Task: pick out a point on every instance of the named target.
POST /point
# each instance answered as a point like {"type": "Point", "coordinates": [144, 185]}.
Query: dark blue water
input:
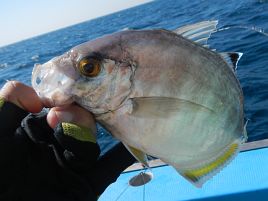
{"type": "Point", "coordinates": [17, 60]}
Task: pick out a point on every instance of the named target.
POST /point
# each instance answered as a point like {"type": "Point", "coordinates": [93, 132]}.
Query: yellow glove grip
{"type": "Point", "coordinates": [78, 132]}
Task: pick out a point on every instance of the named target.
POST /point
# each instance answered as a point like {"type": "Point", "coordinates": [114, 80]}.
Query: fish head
{"type": "Point", "coordinates": [99, 75]}
{"type": "Point", "coordinates": [96, 75]}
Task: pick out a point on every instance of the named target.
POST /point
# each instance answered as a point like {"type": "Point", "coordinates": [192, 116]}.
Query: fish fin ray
{"type": "Point", "coordinates": [245, 133]}
{"type": "Point", "coordinates": [198, 176]}
{"type": "Point", "coordinates": [164, 107]}
{"type": "Point", "coordinates": [199, 32]}
{"type": "Point", "coordinates": [232, 58]}
{"type": "Point", "coordinates": [139, 155]}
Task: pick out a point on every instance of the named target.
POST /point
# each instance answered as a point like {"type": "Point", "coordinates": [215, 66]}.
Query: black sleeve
{"type": "Point", "coordinates": [39, 163]}
{"type": "Point", "coordinates": [10, 118]}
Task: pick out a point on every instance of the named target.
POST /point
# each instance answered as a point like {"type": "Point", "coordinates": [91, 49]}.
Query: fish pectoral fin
{"type": "Point", "coordinates": [164, 107]}
{"type": "Point", "coordinates": [139, 155]}
{"type": "Point", "coordinates": [231, 58]}
{"type": "Point", "coordinates": [198, 32]}
{"type": "Point", "coordinates": [199, 175]}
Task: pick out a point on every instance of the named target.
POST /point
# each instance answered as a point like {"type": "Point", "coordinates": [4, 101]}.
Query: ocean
{"type": "Point", "coordinates": [17, 60]}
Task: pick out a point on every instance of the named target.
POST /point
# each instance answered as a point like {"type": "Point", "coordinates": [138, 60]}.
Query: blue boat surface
{"type": "Point", "coordinates": [245, 179]}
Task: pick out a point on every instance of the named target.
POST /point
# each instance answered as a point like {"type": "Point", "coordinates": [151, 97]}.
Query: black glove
{"type": "Point", "coordinates": [39, 163]}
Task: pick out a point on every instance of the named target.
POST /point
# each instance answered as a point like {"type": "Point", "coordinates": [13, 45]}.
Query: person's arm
{"type": "Point", "coordinates": [38, 162]}
{"type": "Point", "coordinates": [51, 156]}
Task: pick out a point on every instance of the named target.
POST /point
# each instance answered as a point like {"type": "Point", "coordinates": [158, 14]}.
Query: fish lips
{"type": "Point", "coordinates": [52, 84]}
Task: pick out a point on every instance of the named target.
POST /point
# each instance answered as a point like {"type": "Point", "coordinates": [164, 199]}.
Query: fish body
{"type": "Point", "coordinates": [156, 91]}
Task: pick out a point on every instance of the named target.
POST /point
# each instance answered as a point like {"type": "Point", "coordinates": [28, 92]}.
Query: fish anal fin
{"type": "Point", "coordinates": [231, 58]}
{"type": "Point", "coordinates": [139, 155]}
{"type": "Point", "coordinates": [198, 176]}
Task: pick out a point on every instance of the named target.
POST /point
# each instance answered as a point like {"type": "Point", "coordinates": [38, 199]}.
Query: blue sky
{"type": "Point", "coordinates": [22, 19]}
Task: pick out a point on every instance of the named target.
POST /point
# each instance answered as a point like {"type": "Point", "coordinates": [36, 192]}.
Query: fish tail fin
{"type": "Point", "coordinates": [199, 175]}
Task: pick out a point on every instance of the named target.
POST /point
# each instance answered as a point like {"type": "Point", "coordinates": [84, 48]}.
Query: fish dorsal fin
{"type": "Point", "coordinates": [231, 58]}
{"type": "Point", "coordinates": [139, 155]}
{"type": "Point", "coordinates": [198, 32]}
{"type": "Point", "coordinates": [164, 107]}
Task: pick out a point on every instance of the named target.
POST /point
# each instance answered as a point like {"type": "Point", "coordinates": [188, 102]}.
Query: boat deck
{"type": "Point", "coordinates": [246, 178]}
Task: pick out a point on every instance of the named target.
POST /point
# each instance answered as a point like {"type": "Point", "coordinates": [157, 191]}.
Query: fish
{"type": "Point", "coordinates": [162, 93]}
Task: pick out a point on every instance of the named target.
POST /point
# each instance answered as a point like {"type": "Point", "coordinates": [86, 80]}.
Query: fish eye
{"type": "Point", "coordinates": [89, 67]}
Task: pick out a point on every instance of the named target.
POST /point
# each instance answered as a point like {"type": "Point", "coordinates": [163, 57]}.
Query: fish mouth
{"type": "Point", "coordinates": [52, 102]}
{"type": "Point", "coordinates": [52, 85]}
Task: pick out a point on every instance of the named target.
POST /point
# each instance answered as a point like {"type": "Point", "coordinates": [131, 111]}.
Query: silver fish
{"type": "Point", "coordinates": [162, 93]}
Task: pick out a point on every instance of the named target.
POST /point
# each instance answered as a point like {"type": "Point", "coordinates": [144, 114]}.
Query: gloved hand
{"type": "Point", "coordinates": [51, 156]}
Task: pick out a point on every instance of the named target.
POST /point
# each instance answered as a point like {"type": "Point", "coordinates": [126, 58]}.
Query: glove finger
{"type": "Point", "coordinates": [37, 128]}
{"type": "Point", "coordinates": [81, 150]}
{"type": "Point", "coordinates": [10, 118]}
{"type": "Point", "coordinates": [16, 100]}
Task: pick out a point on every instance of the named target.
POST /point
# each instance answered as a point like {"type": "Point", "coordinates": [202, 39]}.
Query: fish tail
{"type": "Point", "coordinates": [198, 176]}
